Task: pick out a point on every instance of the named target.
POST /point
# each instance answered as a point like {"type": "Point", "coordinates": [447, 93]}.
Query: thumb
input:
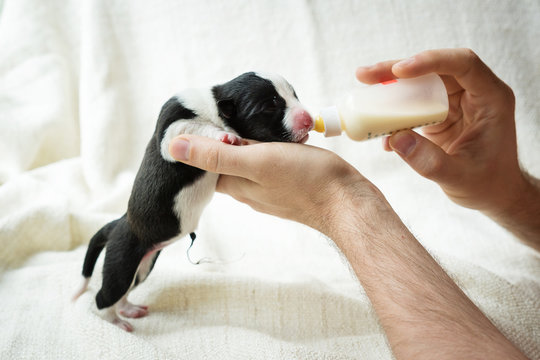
{"type": "Point", "coordinates": [208, 154]}
{"type": "Point", "coordinates": [426, 158]}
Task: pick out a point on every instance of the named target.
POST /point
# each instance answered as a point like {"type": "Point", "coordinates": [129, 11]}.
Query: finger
{"type": "Point", "coordinates": [386, 144]}
{"type": "Point", "coordinates": [383, 72]}
{"type": "Point", "coordinates": [376, 73]}
{"type": "Point", "coordinates": [240, 189]}
{"type": "Point", "coordinates": [464, 65]}
{"type": "Point", "coordinates": [451, 84]}
{"type": "Point", "coordinates": [250, 142]}
{"type": "Point", "coordinates": [424, 157]}
{"type": "Point", "coordinates": [211, 155]}
{"type": "Point", "coordinates": [234, 185]}
{"type": "Point", "coordinates": [446, 132]}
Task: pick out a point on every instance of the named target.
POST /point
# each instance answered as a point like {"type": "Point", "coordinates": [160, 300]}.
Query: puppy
{"type": "Point", "coordinates": [168, 197]}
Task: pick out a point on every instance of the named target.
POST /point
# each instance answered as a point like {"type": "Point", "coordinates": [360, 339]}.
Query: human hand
{"type": "Point", "coordinates": [293, 181]}
{"type": "Point", "coordinates": [473, 154]}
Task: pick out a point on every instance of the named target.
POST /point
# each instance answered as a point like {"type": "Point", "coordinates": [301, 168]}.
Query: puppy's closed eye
{"type": "Point", "coordinates": [272, 104]}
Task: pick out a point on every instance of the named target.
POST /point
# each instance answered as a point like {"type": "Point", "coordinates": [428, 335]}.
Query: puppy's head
{"type": "Point", "coordinates": [263, 107]}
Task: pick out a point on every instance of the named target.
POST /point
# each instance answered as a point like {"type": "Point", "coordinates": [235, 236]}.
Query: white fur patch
{"type": "Point", "coordinates": [207, 123]}
{"type": "Point", "coordinates": [190, 126]}
{"type": "Point", "coordinates": [190, 202]}
{"type": "Point", "coordinates": [202, 102]}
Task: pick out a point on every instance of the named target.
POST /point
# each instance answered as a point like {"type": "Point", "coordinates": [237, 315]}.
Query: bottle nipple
{"type": "Point", "coordinates": [319, 124]}
{"type": "Point", "coordinates": [328, 122]}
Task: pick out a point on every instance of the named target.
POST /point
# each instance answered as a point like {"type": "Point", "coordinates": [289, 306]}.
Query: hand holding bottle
{"type": "Point", "coordinates": [387, 107]}
{"type": "Point", "coordinates": [473, 154]}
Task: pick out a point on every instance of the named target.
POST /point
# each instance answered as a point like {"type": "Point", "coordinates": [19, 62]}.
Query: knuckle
{"type": "Point", "coordinates": [222, 159]}
{"type": "Point", "coordinates": [470, 60]}
{"type": "Point", "coordinates": [503, 94]}
{"type": "Point", "coordinates": [509, 93]}
{"type": "Point", "coordinates": [212, 160]}
{"type": "Point", "coordinates": [469, 54]}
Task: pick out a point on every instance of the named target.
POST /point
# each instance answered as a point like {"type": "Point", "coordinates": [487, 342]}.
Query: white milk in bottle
{"type": "Point", "coordinates": [387, 107]}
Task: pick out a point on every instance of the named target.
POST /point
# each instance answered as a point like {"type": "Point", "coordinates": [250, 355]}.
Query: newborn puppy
{"type": "Point", "coordinates": [168, 197]}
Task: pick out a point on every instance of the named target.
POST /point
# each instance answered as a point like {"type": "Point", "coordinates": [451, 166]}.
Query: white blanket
{"type": "Point", "coordinates": [81, 85]}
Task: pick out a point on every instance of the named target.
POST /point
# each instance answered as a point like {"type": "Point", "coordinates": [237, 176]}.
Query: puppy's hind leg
{"type": "Point", "coordinates": [122, 258]}
{"type": "Point", "coordinates": [124, 307]}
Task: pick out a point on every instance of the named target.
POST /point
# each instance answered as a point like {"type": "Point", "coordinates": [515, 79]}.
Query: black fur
{"type": "Point", "coordinates": [251, 106]}
{"type": "Point", "coordinates": [149, 219]}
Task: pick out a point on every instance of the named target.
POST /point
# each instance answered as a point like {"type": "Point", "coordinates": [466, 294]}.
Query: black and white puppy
{"type": "Point", "coordinates": [168, 197]}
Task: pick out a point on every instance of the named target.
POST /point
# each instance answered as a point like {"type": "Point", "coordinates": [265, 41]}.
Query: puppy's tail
{"type": "Point", "coordinates": [96, 245]}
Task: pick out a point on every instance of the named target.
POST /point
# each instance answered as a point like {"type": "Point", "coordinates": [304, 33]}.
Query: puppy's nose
{"type": "Point", "coordinates": [302, 120]}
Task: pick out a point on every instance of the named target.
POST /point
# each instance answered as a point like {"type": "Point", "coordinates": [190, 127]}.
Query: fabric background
{"type": "Point", "coordinates": [81, 85]}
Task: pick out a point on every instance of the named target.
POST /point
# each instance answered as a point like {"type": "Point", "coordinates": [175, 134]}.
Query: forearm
{"type": "Point", "coordinates": [522, 216]}
{"type": "Point", "coordinates": [423, 312]}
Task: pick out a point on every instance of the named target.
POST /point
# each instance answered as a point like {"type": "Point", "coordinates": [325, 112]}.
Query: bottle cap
{"type": "Point", "coordinates": [328, 122]}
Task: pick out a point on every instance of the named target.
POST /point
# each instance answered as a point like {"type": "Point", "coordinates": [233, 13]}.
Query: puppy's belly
{"type": "Point", "coordinates": [191, 201]}
{"type": "Point", "coordinates": [188, 206]}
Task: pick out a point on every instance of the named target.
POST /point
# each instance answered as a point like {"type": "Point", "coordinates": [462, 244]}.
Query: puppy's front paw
{"type": "Point", "coordinates": [229, 138]}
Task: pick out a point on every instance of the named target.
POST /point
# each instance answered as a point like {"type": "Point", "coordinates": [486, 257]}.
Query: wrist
{"type": "Point", "coordinates": [519, 214]}
{"type": "Point", "coordinates": [358, 209]}
{"type": "Point", "coordinates": [517, 194]}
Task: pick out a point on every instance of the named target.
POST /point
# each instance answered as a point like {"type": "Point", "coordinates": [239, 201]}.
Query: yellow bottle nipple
{"type": "Point", "coordinates": [319, 124]}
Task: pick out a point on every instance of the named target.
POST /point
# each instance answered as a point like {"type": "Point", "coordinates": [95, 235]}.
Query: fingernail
{"type": "Point", "coordinates": [405, 62]}
{"type": "Point", "coordinates": [403, 142]}
{"type": "Point", "coordinates": [179, 149]}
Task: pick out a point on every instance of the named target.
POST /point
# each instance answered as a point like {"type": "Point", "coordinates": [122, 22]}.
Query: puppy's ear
{"type": "Point", "coordinates": [226, 108]}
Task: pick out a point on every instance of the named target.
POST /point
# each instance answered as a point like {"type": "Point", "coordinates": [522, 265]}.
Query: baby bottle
{"type": "Point", "coordinates": [385, 108]}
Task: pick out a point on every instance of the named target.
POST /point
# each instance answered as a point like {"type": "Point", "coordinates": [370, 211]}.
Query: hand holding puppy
{"type": "Point", "coordinates": [281, 179]}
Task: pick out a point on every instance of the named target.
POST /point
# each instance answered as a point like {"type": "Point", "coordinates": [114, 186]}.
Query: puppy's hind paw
{"type": "Point", "coordinates": [130, 310]}
{"type": "Point", "coordinates": [122, 324]}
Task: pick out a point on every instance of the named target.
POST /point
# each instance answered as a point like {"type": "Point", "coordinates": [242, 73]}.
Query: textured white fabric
{"type": "Point", "coordinates": [81, 84]}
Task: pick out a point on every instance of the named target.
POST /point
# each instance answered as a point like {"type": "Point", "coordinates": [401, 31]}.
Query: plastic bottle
{"type": "Point", "coordinates": [385, 108]}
